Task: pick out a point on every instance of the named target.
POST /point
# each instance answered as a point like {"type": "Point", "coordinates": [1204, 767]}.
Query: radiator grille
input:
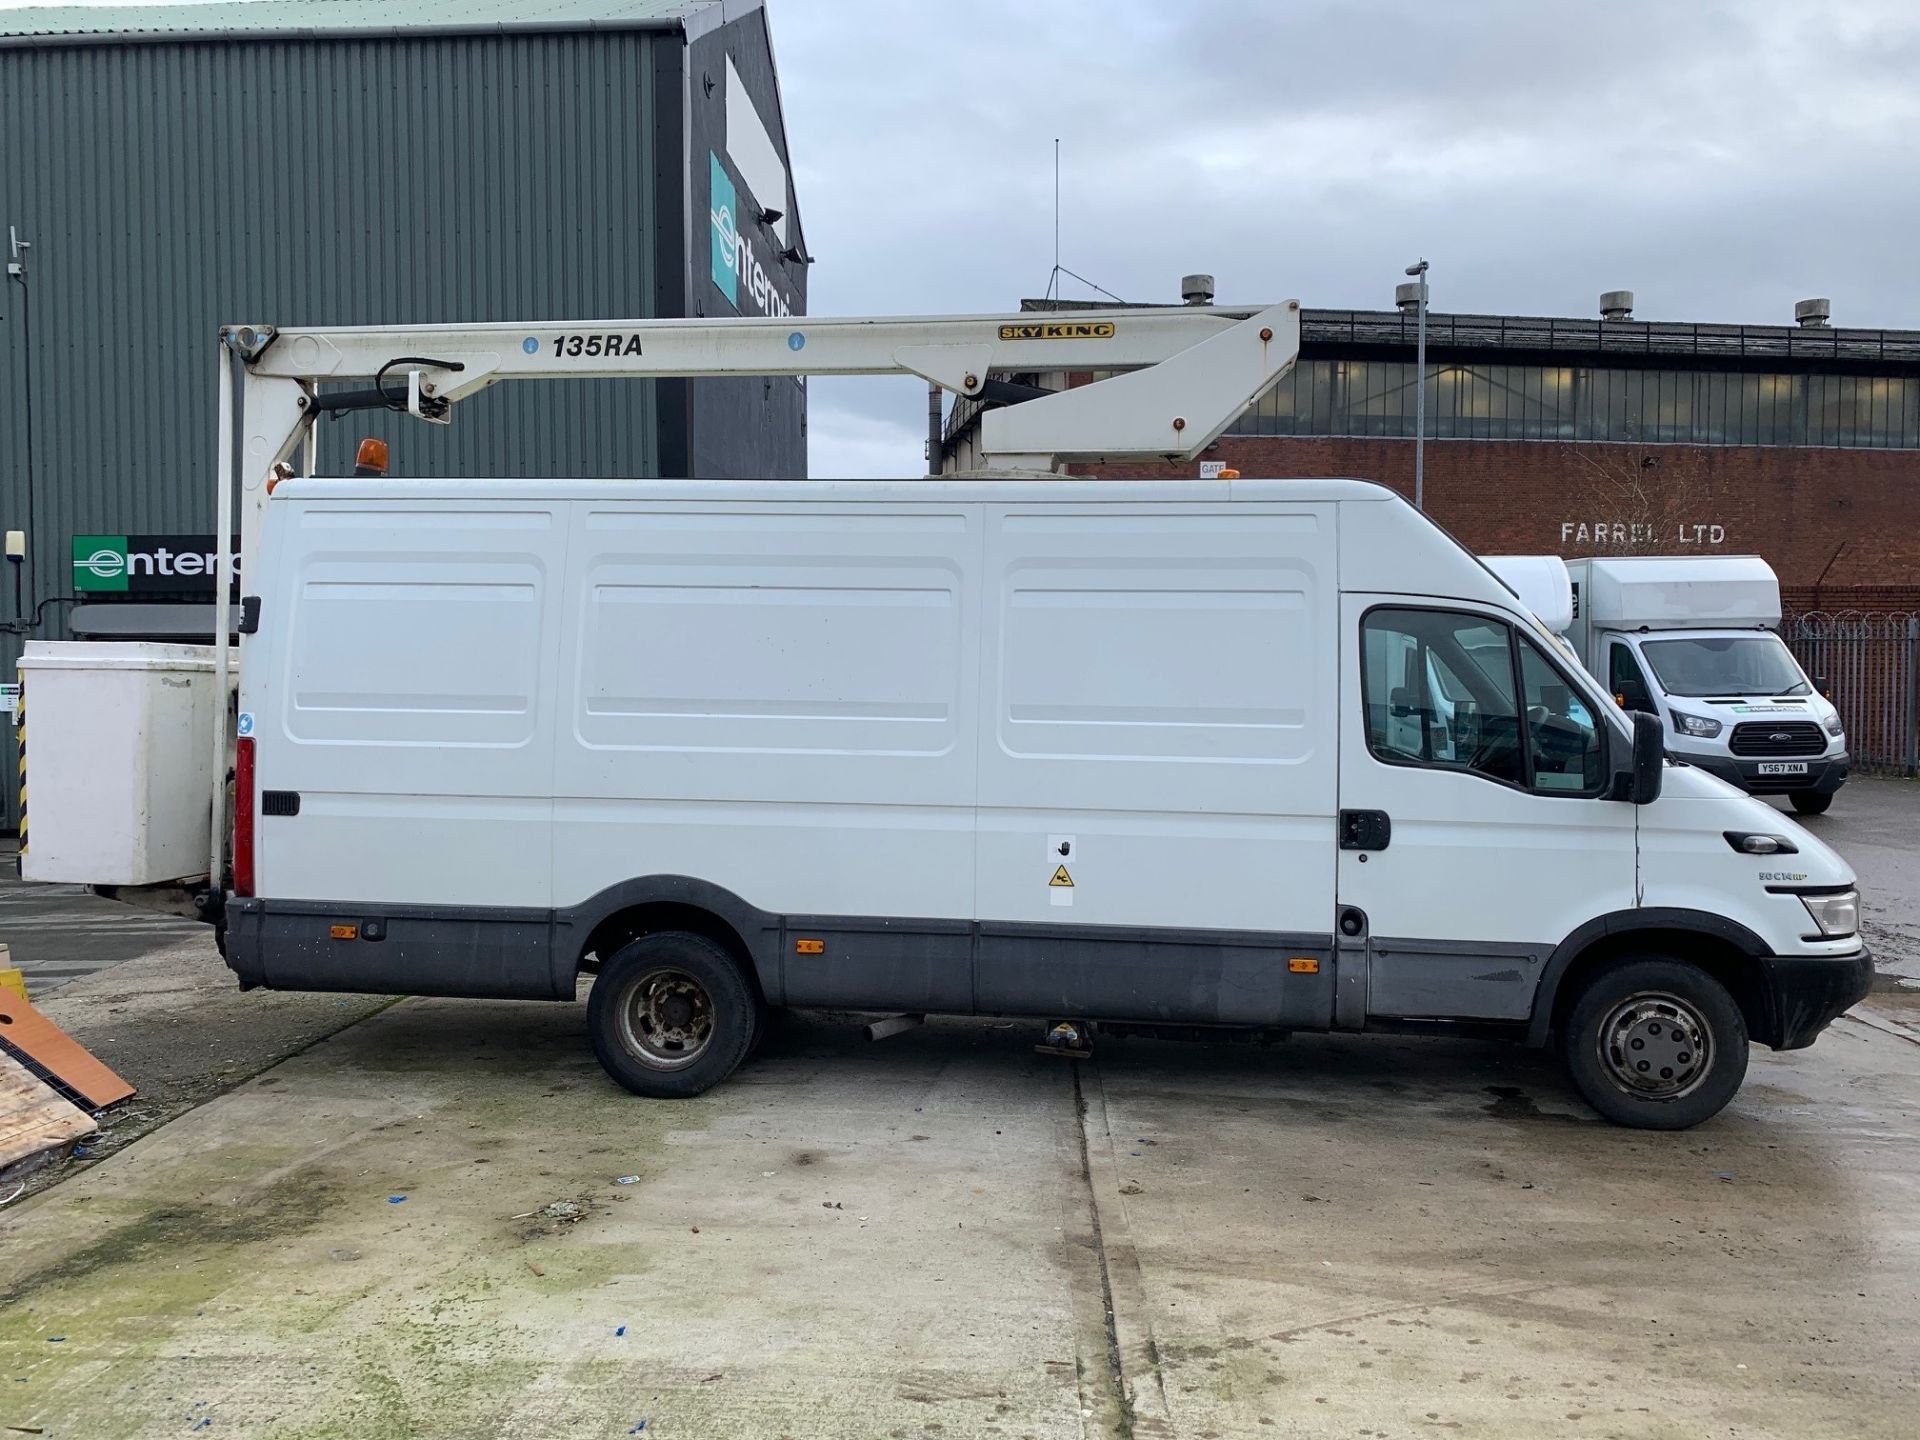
{"type": "Point", "coordinates": [1785, 737]}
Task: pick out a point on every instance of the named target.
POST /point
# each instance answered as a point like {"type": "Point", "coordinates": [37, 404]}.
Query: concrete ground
{"type": "Point", "coordinates": [415, 1225]}
{"type": "Point", "coordinates": [60, 933]}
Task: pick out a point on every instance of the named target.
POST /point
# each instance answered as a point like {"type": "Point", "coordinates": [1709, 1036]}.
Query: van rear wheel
{"type": "Point", "coordinates": [1656, 1044]}
{"type": "Point", "coordinates": [671, 1015]}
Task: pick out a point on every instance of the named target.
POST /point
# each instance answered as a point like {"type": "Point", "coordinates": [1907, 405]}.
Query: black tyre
{"type": "Point", "coordinates": [671, 1015]}
{"type": "Point", "coordinates": [1655, 1043]}
{"type": "Point", "coordinates": [1806, 802]}
{"type": "Point", "coordinates": [763, 1022]}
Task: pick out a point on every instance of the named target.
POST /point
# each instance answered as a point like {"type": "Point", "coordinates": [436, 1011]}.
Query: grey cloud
{"type": "Point", "coordinates": [1721, 159]}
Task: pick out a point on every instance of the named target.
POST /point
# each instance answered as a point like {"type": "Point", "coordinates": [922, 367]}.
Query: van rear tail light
{"type": "Point", "coordinates": [243, 811]}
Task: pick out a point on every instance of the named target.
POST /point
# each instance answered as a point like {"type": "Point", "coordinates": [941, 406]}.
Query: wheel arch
{"type": "Point", "coordinates": [1725, 949]}
{"type": "Point", "coordinates": [650, 905]}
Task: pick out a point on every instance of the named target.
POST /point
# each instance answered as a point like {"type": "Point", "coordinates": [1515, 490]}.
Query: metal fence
{"type": "Point", "coordinates": [1871, 665]}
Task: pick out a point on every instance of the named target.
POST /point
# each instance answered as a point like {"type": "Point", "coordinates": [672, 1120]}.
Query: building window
{"type": "Point", "coordinates": [1375, 399]}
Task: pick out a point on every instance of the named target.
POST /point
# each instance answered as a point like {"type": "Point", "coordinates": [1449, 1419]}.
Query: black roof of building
{"type": "Point", "coordinates": [1615, 342]}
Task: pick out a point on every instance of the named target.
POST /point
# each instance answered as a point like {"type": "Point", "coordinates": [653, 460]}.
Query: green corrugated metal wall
{"type": "Point", "coordinates": [168, 188]}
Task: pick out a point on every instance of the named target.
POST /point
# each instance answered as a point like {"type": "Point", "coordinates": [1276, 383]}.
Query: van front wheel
{"type": "Point", "coordinates": [1656, 1044]}
{"type": "Point", "coordinates": [1806, 802]}
{"type": "Point", "coordinates": [671, 1015]}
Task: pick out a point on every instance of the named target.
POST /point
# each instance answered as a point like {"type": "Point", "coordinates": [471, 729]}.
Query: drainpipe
{"type": "Point", "coordinates": [933, 429]}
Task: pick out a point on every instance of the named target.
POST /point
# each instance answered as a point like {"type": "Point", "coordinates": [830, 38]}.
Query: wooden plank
{"type": "Point", "coordinates": [44, 1048]}
{"type": "Point", "coordinates": [32, 1117]}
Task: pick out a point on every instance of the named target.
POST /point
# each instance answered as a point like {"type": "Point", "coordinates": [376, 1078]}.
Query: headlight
{"type": "Point", "coordinates": [1835, 726]}
{"type": "Point", "coordinates": [1836, 916]}
{"type": "Point", "coordinates": [1696, 725]}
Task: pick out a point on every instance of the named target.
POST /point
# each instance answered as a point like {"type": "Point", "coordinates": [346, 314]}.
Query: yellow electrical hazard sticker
{"type": "Point", "coordinates": [1061, 878]}
{"type": "Point", "coordinates": [1059, 330]}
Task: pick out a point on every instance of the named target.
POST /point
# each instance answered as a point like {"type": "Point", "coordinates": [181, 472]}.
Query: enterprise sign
{"type": "Point", "coordinates": [170, 563]}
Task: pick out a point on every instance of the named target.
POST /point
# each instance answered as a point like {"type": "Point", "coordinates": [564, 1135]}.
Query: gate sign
{"type": "Point", "coordinates": [151, 564]}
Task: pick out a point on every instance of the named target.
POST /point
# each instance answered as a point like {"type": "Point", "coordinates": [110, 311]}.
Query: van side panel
{"type": "Point", "coordinates": [1159, 684]}
{"type": "Point", "coordinates": [404, 683]}
{"type": "Point", "coordinates": [873, 722]}
{"type": "Point", "coordinates": [781, 700]}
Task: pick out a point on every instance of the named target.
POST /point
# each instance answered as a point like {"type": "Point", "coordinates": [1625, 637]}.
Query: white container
{"type": "Point", "coordinates": [1541, 583]}
{"type": "Point", "coordinates": [1676, 592]}
{"type": "Point", "coordinates": [119, 758]}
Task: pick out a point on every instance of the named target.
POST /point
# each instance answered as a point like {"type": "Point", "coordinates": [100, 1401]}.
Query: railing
{"type": "Point", "coordinates": [1871, 665]}
{"type": "Point", "coordinates": [1557, 334]}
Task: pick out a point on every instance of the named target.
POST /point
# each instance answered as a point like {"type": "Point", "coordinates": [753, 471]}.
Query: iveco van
{"type": "Point", "coordinates": [1251, 755]}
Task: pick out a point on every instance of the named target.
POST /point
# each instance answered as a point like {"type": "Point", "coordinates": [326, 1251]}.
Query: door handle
{"type": "Point", "coordinates": [1365, 830]}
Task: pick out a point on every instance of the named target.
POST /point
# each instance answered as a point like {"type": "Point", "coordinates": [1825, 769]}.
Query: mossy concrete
{"type": "Point", "coordinates": [415, 1227]}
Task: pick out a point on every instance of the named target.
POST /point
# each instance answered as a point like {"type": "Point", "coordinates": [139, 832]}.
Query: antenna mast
{"type": "Point", "coordinates": [1054, 278]}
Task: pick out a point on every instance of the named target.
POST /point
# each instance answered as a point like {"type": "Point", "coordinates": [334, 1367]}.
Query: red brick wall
{"type": "Point", "coordinates": [1879, 599]}
{"type": "Point", "coordinates": [1844, 519]}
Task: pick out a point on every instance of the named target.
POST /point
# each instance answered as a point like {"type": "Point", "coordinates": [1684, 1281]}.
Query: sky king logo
{"type": "Point", "coordinates": [1058, 330]}
{"type": "Point", "coordinates": [172, 563]}
{"type": "Point", "coordinates": [735, 266]}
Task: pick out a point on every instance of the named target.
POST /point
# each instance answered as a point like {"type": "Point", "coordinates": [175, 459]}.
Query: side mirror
{"type": "Point", "coordinates": [1824, 686]}
{"type": "Point", "coordinates": [1639, 783]}
{"type": "Point", "coordinates": [1400, 702]}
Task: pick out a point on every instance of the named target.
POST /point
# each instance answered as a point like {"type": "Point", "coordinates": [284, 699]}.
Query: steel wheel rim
{"type": "Point", "coordinates": [1656, 1045]}
{"type": "Point", "coordinates": [666, 1019]}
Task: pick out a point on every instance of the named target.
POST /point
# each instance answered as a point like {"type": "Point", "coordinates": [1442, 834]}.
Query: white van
{"type": "Point", "coordinates": [1254, 755]}
{"type": "Point", "coordinates": [1693, 640]}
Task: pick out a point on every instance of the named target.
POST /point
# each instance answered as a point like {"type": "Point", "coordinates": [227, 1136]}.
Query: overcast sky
{"type": "Point", "coordinates": [1721, 160]}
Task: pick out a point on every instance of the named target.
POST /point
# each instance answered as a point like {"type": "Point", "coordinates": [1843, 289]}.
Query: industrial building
{"type": "Point", "coordinates": [1797, 442]}
{"type": "Point", "coordinates": [170, 168]}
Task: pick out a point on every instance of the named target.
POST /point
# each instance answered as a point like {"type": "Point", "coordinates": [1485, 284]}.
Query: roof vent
{"type": "Point", "coordinates": [1196, 289]}
{"type": "Point", "coordinates": [1813, 314]}
{"type": "Point", "coordinates": [1616, 305]}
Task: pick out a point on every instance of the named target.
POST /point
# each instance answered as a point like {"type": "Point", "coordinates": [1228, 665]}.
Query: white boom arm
{"type": "Point", "coordinates": [1187, 373]}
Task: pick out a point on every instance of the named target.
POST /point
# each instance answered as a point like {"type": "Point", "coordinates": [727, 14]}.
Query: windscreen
{"type": "Point", "coordinates": [1725, 665]}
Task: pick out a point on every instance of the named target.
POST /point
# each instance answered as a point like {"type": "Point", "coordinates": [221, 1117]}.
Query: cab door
{"type": "Point", "coordinates": [1474, 835]}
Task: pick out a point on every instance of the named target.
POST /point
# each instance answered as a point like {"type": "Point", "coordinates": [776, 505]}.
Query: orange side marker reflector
{"type": "Point", "coordinates": [345, 932]}
{"type": "Point", "coordinates": [809, 947]}
{"type": "Point", "coordinates": [1301, 965]}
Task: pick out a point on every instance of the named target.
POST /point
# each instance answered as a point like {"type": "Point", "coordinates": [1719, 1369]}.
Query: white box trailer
{"type": "Point", "coordinates": [1249, 755]}
{"type": "Point", "coordinates": [1694, 641]}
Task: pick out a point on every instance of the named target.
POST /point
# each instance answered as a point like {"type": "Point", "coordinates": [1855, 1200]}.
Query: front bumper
{"type": "Point", "coordinates": [1806, 993]}
{"type": "Point", "coordinates": [1825, 773]}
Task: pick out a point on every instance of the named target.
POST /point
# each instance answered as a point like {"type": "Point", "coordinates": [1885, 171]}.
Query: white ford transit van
{"type": "Point", "coordinates": [1254, 755]}
{"type": "Point", "coordinates": [1694, 640]}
